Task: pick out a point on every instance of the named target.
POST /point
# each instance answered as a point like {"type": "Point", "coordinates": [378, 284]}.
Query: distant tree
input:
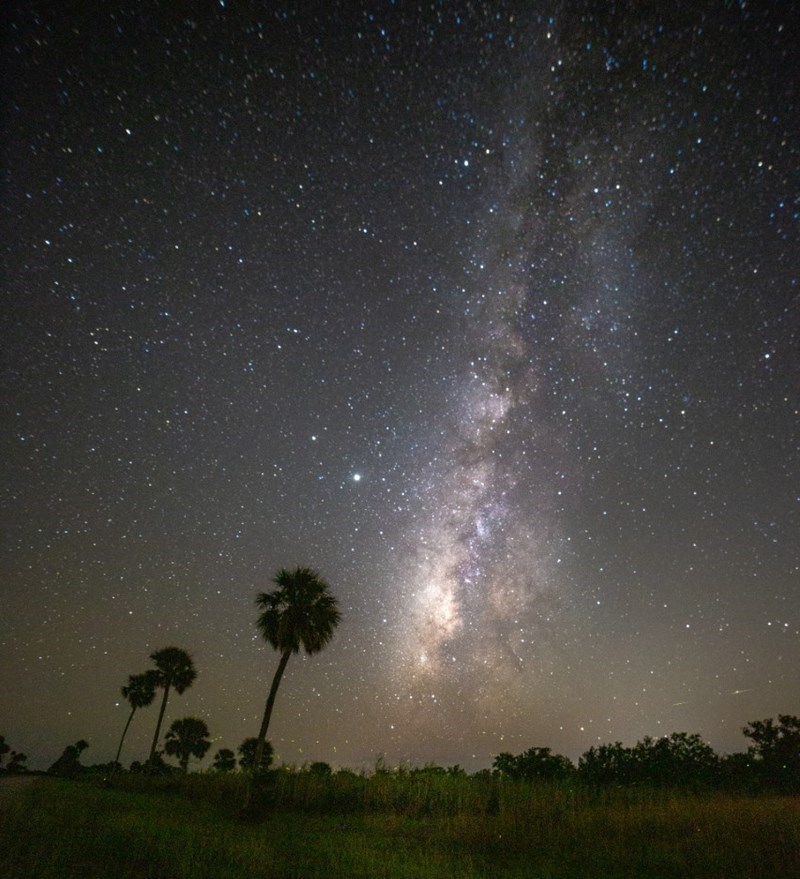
{"type": "Point", "coordinates": [608, 764]}
{"type": "Point", "coordinates": [68, 764]}
{"type": "Point", "coordinates": [776, 750]}
{"type": "Point", "coordinates": [224, 760]}
{"type": "Point", "coordinates": [301, 612]}
{"type": "Point", "coordinates": [140, 692]}
{"type": "Point", "coordinates": [739, 772]}
{"type": "Point", "coordinates": [16, 763]}
{"type": "Point", "coordinates": [174, 670]}
{"type": "Point", "coordinates": [154, 766]}
{"type": "Point", "coordinates": [505, 763]}
{"type": "Point", "coordinates": [534, 764]}
{"type": "Point", "coordinates": [187, 738]}
{"type": "Point", "coordinates": [677, 759]}
{"type": "Point", "coordinates": [16, 760]}
{"type": "Point", "coordinates": [247, 754]}
{"type": "Point", "coordinates": [320, 769]}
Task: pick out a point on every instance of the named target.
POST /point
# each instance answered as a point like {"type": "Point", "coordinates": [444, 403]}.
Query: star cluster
{"type": "Point", "coordinates": [488, 314]}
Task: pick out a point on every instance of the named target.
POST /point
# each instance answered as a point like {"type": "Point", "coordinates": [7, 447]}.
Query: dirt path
{"type": "Point", "coordinates": [9, 785]}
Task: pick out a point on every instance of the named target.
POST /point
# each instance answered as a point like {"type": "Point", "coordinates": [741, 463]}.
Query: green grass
{"type": "Point", "coordinates": [389, 825]}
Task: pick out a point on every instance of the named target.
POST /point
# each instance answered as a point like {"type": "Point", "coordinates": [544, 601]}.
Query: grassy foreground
{"type": "Point", "coordinates": [390, 826]}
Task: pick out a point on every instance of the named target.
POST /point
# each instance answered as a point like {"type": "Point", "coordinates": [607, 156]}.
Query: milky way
{"type": "Point", "coordinates": [489, 315]}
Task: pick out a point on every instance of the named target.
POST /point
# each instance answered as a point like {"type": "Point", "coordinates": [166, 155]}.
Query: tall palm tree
{"type": "Point", "coordinates": [140, 692]}
{"type": "Point", "coordinates": [301, 612]}
{"type": "Point", "coordinates": [187, 738]}
{"type": "Point", "coordinates": [174, 670]}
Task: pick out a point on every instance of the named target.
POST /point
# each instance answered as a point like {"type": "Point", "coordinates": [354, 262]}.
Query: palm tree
{"type": "Point", "coordinates": [301, 612]}
{"type": "Point", "coordinates": [140, 692]}
{"type": "Point", "coordinates": [224, 760]}
{"type": "Point", "coordinates": [174, 669]}
{"type": "Point", "coordinates": [247, 754]}
{"type": "Point", "coordinates": [187, 738]}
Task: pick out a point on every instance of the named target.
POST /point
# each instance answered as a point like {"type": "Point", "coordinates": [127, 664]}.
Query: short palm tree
{"type": "Point", "coordinates": [224, 760]}
{"type": "Point", "coordinates": [247, 754]}
{"type": "Point", "coordinates": [301, 612]}
{"type": "Point", "coordinates": [187, 738]}
{"type": "Point", "coordinates": [174, 670]}
{"type": "Point", "coordinates": [140, 692]}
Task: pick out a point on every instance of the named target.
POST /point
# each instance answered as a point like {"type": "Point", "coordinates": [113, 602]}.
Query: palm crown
{"type": "Point", "coordinates": [141, 689]}
{"type": "Point", "coordinates": [187, 738]}
{"type": "Point", "coordinates": [174, 668]}
{"type": "Point", "coordinates": [301, 612]}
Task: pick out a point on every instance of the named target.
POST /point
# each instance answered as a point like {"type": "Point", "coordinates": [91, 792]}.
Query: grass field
{"type": "Point", "coordinates": [389, 825]}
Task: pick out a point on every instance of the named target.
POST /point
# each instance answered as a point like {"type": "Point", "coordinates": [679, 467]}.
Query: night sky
{"type": "Point", "coordinates": [489, 312]}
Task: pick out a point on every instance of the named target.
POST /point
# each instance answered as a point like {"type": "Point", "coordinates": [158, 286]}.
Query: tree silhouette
{"type": "Point", "coordinates": [187, 737]}
{"type": "Point", "coordinates": [68, 764]}
{"type": "Point", "coordinates": [608, 764]}
{"type": "Point", "coordinates": [174, 670]}
{"type": "Point", "coordinates": [535, 763]}
{"type": "Point", "coordinates": [247, 754]}
{"type": "Point", "coordinates": [301, 612]}
{"type": "Point", "coordinates": [739, 772]}
{"type": "Point", "coordinates": [224, 760]}
{"type": "Point", "coordinates": [16, 764]}
{"type": "Point", "coordinates": [16, 761]}
{"type": "Point", "coordinates": [678, 759]}
{"type": "Point", "coordinates": [776, 749]}
{"type": "Point", "coordinates": [140, 692]}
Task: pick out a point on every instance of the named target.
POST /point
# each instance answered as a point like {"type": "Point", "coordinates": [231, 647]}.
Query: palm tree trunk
{"type": "Point", "coordinates": [152, 756]}
{"type": "Point", "coordinates": [124, 733]}
{"type": "Point", "coordinates": [262, 733]}
{"type": "Point", "coordinates": [273, 692]}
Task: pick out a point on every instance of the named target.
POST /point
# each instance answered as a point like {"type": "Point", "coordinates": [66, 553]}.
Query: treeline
{"type": "Point", "coordinates": [301, 613]}
{"type": "Point", "coordinates": [772, 762]}
{"type": "Point", "coordinates": [680, 760]}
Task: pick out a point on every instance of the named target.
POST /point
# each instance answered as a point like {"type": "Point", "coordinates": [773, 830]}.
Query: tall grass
{"type": "Point", "coordinates": [388, 825]}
